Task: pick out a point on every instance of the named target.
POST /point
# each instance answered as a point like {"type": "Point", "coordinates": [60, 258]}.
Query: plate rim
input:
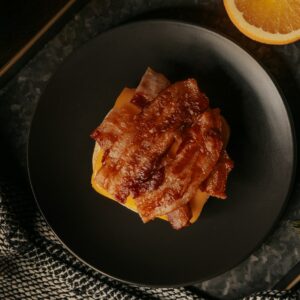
{"type": "Point", "coordinates": [219, 35]}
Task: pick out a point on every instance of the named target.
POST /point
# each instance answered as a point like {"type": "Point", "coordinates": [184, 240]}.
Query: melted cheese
{"type": "Point", "coordinates": [196, 204]}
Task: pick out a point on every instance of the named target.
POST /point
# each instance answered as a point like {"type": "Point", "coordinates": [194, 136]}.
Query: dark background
{"type": "Point", "coordinates": [21, 20]}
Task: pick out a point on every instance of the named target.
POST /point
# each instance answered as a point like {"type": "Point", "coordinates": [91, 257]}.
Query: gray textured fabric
{"type": "Point", "coordinates": [34, 265]}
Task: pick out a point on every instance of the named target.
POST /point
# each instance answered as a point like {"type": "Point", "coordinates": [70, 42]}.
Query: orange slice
{"type": "Point", "coordinates": [274, 22]}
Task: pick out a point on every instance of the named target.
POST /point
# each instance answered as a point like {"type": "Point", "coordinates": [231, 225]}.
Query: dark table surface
{"type": "Point", "coordinates": [19, 22]}
{"type": "Point", "coordinates": [19, 97]}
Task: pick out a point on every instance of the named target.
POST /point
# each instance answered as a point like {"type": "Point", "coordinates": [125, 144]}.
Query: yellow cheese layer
{"type": "Point", "coordinates": [196, 204]}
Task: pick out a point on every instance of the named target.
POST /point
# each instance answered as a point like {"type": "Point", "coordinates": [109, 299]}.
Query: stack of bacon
{"type": "Point", "coordinates": [139, 156]}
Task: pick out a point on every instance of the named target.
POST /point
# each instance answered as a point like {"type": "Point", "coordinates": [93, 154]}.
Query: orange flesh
{"type": "Point", "coordinates": [196, 203]}
{"type": "Point", "coordinates": [275, 16]}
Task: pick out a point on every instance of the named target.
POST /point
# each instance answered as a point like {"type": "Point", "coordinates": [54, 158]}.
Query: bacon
{"type": "Point", "coordinates": [138, 154]}
{"type": "Point", "coordinates": [151, 84]}
{"type": "Point", "coordinates": [180, 217]}
{"type": "Point", "coordinates": [113, 127]}
{"type": "Point", "coordinates": [116, 133]}
{"type": "Point", "coordinates": [113, 135]}
{"type": "Point", "coordinates": [194, 160]}
{"type": "Point", "coordinates": [156, 127]}
{"type": "Point", "coordinates": [212, 128]}
{"type": "Point", "coordinates": [215, 184]}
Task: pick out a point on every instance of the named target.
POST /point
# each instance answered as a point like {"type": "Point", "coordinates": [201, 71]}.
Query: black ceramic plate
{"type": "Point", "coordinates": [111, 238]}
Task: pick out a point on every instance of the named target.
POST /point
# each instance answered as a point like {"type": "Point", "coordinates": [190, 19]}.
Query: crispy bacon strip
{"type": "Point", "coordinates": [116, 132]}
{"type": "Point", "coordinates": [113, 126]}
{"type": "Point", "coordinates": [215, 184]}
{"type": "Point", "coordinates": [180, 217]}
{"type": "Point", "coordinates": [192, 164]}
{"type": "Point", "coordinates": [151, 84]}
{"type": "Point", "coordinates": [156, 126]}
{"type": "Point", "coordinates": [113, 135]}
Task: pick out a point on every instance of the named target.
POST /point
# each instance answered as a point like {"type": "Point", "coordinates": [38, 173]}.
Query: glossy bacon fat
{"type": "Point", "coordinates": [162, 147]}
